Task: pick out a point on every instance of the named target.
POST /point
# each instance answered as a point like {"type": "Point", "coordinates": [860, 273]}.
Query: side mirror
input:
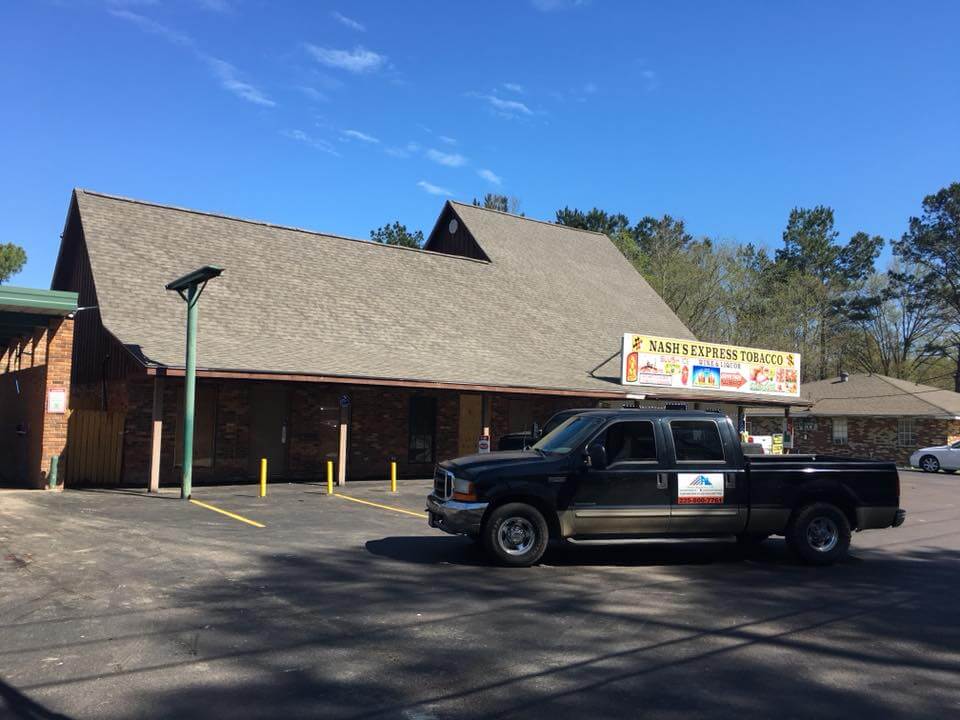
{"type": "Point", "coordinates": [596, 456]}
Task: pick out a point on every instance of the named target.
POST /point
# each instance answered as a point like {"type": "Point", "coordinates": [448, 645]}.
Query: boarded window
{"type": "Point", "coordinates": [905, 432]}
{"type": "Point", "coordinates": [204, 427]}
{"type": "Point", "coordinates": [423, 429]}
{"type": "Point", "coordinates": [840, 431]}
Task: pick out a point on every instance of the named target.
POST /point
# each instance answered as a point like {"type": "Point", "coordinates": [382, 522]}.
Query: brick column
{"type": "Point", "coordinates": [59, 357]}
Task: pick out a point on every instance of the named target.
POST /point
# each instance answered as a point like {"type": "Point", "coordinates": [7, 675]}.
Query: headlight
{"type": "Point", "coordinates": [463, 490]}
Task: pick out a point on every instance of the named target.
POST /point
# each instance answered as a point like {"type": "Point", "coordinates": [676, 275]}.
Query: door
{"type": "Point", "coordinates": [707, 488]}
{"type": "Point", "coordinates": [951, 457]}
{"type": "Point", "coordinates": [629, 495]}
{"type": "Point", "coordinates": [269, 404]}
{"type": "Point", "coordinates": [471, 423]}
{"type": "Point", "coordinates": [94, 451]}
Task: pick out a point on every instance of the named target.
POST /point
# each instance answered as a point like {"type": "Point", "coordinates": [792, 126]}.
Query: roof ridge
{"type": "Point", "coordinates": [927, 389]}
{"type": "Point", "coordinates": [263, 223]}
{"type": "Point", "coordinates": [530, 219]}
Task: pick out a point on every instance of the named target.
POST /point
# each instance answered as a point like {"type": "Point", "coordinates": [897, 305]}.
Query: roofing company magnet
{"type": "Point", "coordinates": [699, 488]}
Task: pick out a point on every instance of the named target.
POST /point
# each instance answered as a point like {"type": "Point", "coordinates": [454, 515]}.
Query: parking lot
{"type": "Point", "coordinates": [119, 605]}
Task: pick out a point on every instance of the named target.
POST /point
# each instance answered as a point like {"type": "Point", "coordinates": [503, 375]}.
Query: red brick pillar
{"type": "Point", "coordinates": [59, 356]}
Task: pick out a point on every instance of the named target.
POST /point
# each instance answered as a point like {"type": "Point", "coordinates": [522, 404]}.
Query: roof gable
{"type": "Point", "coordinates": [872, 394]}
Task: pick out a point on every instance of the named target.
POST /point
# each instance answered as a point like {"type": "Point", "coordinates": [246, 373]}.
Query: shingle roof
{"type": "Point", "coordinates": [870, 394]}
{"type": "Point", "coordinates": [549, 307]}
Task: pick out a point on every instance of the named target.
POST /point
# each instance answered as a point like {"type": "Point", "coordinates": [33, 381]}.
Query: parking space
{"type": "Point", "coordinates": [114, 604]}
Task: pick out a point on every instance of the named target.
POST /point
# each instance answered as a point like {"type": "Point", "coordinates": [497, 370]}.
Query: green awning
{"type": "Point", "coordinates": [22, 310]}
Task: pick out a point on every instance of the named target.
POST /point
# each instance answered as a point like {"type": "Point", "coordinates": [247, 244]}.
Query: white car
{"type": "Point", "coordinates": [941, 457]}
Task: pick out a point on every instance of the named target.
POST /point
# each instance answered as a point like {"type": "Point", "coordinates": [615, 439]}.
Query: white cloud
{"type": "Point", "coordinates": [359, 60]}
{"type": "Point", "coordinates": [433, 189]}
{"type": "Point", "coordinates": [514, 87]}
{"type": "Point", "coordinates": [448, 159]}
{"type": "Point", "coordinates": [447, 139]}
{"type": "Point", "coordinates": [357, 135]}
{"type": "Point", "coordinates": [490, 176]}
{"type": "Point", "coordinates": [317, 144]}
{"type": "Point", "coordinates": [507, 108]}
{"type": "Point", "coordinates": [227, 74]}
{"type": "Point", "coordinates": [554, 5]}
{"type": "Point", "coordinates": [313, 94]}
{"type": "Point", "coordinates": [349, 22]}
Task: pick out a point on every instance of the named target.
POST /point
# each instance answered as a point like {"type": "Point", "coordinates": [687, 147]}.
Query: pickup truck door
{"type": "Point", "coordinates": [708, 491]}
{"type": "Point", "coordinates": [629, 496]}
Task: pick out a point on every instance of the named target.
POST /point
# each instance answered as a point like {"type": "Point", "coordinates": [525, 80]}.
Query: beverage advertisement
{"type": "Point", "coordinates": [676, 363]}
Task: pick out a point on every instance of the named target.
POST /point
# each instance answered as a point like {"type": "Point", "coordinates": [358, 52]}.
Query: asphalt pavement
{"type": "Point", "coordinates": [114, 604]}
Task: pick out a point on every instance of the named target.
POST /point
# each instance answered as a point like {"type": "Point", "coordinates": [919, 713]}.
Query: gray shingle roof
{"type": "Point", "coordinates": [549, 307]}
{"type": "Point", "coordinates": [870, 394]}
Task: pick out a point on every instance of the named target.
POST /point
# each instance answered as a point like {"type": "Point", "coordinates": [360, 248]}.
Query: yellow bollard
{"type": "Point", "coordinates": [263, 477]}
{"type": "Point", "coordinates": [329, 477]}
{"type": "Point", "coordinates": [393, 476]}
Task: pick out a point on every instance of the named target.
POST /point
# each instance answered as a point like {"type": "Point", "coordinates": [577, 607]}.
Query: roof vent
{"type": "Point", "coordinates": [844, 376]}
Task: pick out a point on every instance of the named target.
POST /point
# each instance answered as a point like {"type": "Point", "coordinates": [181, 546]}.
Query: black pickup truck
{"type": "Point", "coordinates": [655, 473]}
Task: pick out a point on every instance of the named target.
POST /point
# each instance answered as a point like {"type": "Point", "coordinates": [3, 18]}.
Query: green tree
{"type": "Point", "coordinates": [503, 203]}
{"type": "Point", "coordinates": [12, 259]}
{"type": "Point", "coordinates": [810, 250]}
{"type": "Point", "coordinates": [397, 234]}
{"type": "Point", "coordinates": [596, 220]}
{"type": "Point", "coordinates": [932, 243]}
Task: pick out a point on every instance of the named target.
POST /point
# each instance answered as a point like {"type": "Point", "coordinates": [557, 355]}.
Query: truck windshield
{"type": "Point", "coordinates": [568, 435]}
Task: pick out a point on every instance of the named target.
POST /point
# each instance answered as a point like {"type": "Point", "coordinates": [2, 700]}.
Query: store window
{"type": "Point", "coordinates": [840, 431]}
{"type": "Point", "coordinates": [905, 432]}
{"type": "Point", "coordinates": [520, 411]}
{"type": "Point", "coordinates": [204, 427]}
{"type": "Point", "coordinates": [423, 430]}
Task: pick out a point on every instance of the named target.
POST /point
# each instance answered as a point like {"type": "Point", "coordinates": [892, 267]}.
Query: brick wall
{"type": "Point", "coordinates": [869, 437]}
{"type": "Point", "coordinates": [29, 435]}
{"type": "Point", "coordinates": [379, 428]}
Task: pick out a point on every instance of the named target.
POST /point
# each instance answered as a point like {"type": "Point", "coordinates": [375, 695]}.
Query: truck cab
{"type": "Point", "coordinates": [651, 473]}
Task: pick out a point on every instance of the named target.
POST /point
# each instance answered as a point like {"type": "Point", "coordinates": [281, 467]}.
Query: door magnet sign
{"type": "Point", "coordinates": [699, 488]}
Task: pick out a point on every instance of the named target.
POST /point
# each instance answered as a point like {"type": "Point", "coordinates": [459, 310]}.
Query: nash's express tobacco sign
{"type": "Point", "coordinates": [676, 363]}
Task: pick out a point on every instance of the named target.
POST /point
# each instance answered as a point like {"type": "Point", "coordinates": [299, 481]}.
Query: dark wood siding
{"type": "Point", "coordinates": [461, 243]}
{"type": "Point", "coordinates": [97, 356]}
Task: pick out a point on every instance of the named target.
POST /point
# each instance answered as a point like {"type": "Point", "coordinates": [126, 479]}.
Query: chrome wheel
{"type": "Point", "coordinates": [516, 535]}
{"type": "Point", "coordinates": [929, 464]}
{"type": "Point", "coordinates": [822, 534]}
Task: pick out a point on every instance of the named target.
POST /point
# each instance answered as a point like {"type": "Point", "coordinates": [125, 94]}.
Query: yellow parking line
{"type": "Point", "coordinates": [382, 507]}
{"type": "Point", "coordinates": [241, 518]}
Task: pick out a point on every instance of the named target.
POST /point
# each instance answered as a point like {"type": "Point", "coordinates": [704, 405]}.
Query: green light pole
{"type": "Point", "coordinates": [189, 288]}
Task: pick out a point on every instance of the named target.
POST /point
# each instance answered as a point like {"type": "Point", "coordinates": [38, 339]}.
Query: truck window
{"type": "Point", "coordinates": [571, 433]}
{"type": "Point", "coordinates": [696, 440]}
{"type": "Point", "coordinates": [631, 442]}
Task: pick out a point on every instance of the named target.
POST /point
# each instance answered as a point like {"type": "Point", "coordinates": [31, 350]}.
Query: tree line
{"type": "Point", "coordinates": [816, 293]}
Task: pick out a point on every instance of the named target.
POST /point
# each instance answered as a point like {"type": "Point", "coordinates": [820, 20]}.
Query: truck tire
{"type": "Point", "coordinates": [819, 533]}
{"type": "Point", "coordinates": [515, 534]}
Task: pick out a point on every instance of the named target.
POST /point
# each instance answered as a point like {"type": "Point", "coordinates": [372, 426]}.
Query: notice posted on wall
{"type": "Point", "coordinates": [699, 488]}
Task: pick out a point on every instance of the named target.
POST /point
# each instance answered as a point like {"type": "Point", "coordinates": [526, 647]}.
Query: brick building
{"type": "Point", "coordinates": [309, 341]}
{"type": "Point", "coordinates": [867, 415]}
{"type": "Point", "coordinates": [36, 345]}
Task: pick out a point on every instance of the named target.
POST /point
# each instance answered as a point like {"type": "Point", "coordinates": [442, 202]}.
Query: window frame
{"type": "Point", "coordinates": [657, 443]}
{"type": "Point", "coordinates": [845, 440]}
{"type": "Point", "coordinates": [415, 399]}
{"type": "Point", "coordinates": [723, 450]}
{"type": "Point", "coordinates": [910, 434]}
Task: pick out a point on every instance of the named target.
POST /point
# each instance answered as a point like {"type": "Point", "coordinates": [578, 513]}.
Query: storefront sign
{"type": "Point", "coordinates": [777, 445]}
{"type": "Point", "coordinates": [483, 444]}
{"type": "Point", "coordinates": [56, 401]}
{"type": "Point", "coordinates": [676, 363]}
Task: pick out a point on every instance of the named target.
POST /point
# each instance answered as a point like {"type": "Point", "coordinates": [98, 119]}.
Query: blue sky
{"type": "Point", "coordinates": [344, 116]}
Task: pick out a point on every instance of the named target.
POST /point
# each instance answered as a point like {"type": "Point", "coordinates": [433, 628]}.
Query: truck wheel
{"type": "Point", "coordinates": [515, 534]}
{"type": "Point", "coordinates": [819, 534]}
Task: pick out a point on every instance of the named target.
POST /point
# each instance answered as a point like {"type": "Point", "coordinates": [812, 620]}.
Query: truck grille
{"type": "Point", "coordinates": [442, 483]}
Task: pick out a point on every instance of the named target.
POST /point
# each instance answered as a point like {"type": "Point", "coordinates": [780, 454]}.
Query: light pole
{"type": "Point", "coordinates": [189, 288]}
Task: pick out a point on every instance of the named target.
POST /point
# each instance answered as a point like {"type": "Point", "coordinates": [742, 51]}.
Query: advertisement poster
{"type": "Point", "coordinates": [699, 488]}
{"type": "Point", "coordinates": [676, 363]}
